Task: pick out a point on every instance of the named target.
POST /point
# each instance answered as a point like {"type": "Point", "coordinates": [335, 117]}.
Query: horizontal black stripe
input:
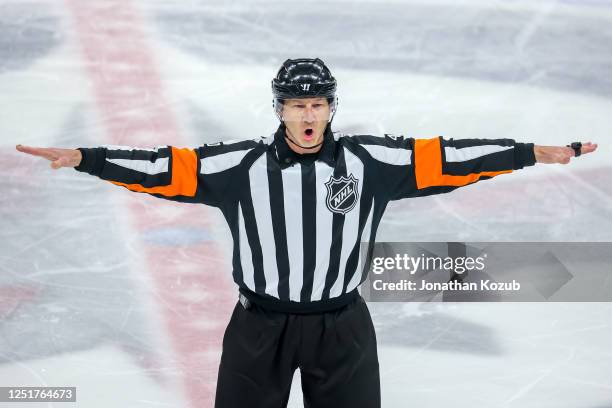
{"type": "Point", "coordinates": [461, 143]}
{"type": "Point", "coordinates": [136, 154]}
{"type": "Point", "coordinates": [113, 172]}
{"type": "Point", "coordinates": [317, 306]}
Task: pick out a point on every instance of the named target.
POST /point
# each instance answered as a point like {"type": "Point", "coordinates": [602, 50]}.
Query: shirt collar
{"type": "Point", "coordinates": [287, 157]}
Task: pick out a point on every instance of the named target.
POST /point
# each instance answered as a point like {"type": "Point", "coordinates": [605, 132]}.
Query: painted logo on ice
{"type": "Point", "coordinates": [342, 194]}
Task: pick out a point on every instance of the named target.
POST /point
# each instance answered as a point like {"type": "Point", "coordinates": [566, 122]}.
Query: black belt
{"type": "Point", "coordinates": [248, 297]}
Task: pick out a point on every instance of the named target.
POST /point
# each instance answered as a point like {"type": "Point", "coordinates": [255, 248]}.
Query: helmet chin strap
{"type": "Point", "coordinates": [299, 145]}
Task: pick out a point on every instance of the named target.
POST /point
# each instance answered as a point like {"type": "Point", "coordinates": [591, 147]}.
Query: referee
{"type": "Point", "coordinates": [298, 204]}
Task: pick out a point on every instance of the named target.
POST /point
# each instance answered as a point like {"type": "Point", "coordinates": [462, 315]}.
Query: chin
{"type": "Point", "coordinates": [313, 142]}
{"type": "Point", "coordinates": [308, 143]}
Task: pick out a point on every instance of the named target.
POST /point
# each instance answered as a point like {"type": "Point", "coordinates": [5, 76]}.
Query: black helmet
{"type": "Point", "coordinates": [304, 78]}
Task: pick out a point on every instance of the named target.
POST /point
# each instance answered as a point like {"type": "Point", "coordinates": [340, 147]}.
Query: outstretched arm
{"type": "Point", "coordinates": [165, 172]}
{"type": "Point", "coordinates": [442, 165]}
{"type": "Point", "coordinates": [200, 175]}
{"type": "Point", "coordinates": [419, 167]}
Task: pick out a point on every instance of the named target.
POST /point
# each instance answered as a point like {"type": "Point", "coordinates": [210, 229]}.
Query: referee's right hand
{"type": "Point", "coordinates": [58, 157]}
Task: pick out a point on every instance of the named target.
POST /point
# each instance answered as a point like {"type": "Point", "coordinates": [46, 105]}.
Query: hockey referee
{"type": "Point", "coordinates": [298, 205]}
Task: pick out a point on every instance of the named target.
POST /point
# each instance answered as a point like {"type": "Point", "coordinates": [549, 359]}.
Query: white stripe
{"type": "Point", "coordinates": [246, 257]}
{"type": "Point", "coordinates": [260, 193]}
{"type": "Point", "coordinates": [454, 154]}
{"type": "Point", "coordinates": [130, 148]}
{"type": "Point", "coordinates": [143, 166]}
{"type": "Point", "coordinates": [266, 140]}
{"type": "Point", "coordinates": [323, 231]}
{"type": "Point", "coordinates": [389, 155]}
{"type": "Point", "coordinates": [292, 191]}
{"type": "Point", "coordinates": [354, 166]}
{"type": "Point", "coordinates": [220, 162]}
{"type": "Point", "coordinates": [365, 237]}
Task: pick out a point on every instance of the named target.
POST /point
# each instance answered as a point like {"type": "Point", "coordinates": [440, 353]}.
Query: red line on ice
{"type": "Point", "coordinates": [13, 296]}
{"type": "Point", "coordinates": [131, 102]}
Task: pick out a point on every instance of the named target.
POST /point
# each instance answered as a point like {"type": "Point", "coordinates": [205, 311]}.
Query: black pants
{"type": "Point", "coordinates": [335, 352]}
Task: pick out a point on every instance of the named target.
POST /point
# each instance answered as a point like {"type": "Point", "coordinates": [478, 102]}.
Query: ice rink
{"type": "Point", "coordinates": [126, 296]}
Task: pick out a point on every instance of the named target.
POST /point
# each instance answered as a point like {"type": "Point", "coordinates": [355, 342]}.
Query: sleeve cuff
{"type": "Point", "coordinates": [92, 161]}
{"type": "Point", "coordinates": [523, 155]}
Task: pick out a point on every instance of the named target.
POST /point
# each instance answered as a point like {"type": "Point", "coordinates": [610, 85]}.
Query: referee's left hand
{"type": "Point", "coordinates": [560, 154]}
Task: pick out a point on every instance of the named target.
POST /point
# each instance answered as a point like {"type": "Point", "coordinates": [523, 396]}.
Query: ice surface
{"type": "Point", "coordinates": [126, 296]}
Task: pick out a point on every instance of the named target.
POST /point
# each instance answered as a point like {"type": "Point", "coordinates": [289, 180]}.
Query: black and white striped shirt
{"type": "Point", "coordinates": [297, 221]}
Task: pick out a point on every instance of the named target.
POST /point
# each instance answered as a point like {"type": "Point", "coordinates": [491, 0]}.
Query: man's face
{"type": "Point", "coordinates": [306, 120]}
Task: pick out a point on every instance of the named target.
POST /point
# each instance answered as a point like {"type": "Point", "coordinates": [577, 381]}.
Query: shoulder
{"type": "Point", "coordinates": [237, 146]}
{"type": "Point", "coordinates": [221, 156]}
{"type": "Point", "coordinates": [388, 149]}
{"type": "Point", "coordinates": [388, 140]}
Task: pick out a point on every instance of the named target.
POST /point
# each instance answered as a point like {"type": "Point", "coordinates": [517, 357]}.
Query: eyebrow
{"type": "Point", "coordinates": [303, 103]}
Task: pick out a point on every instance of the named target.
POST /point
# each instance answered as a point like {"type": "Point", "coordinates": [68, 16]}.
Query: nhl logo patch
{"type": "Point", "coordinates": [342, 194]}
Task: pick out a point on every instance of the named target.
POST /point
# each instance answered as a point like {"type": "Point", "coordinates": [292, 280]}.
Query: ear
{"type": "Point", "coordinates": [278, 108]}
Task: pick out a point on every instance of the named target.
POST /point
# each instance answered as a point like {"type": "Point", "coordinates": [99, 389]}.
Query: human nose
{"type": "Point", "coordinates": [309, 115]}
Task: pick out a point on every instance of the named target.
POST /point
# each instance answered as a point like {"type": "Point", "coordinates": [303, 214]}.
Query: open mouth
{"type": "Point", "coordinates": [308, 134]}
